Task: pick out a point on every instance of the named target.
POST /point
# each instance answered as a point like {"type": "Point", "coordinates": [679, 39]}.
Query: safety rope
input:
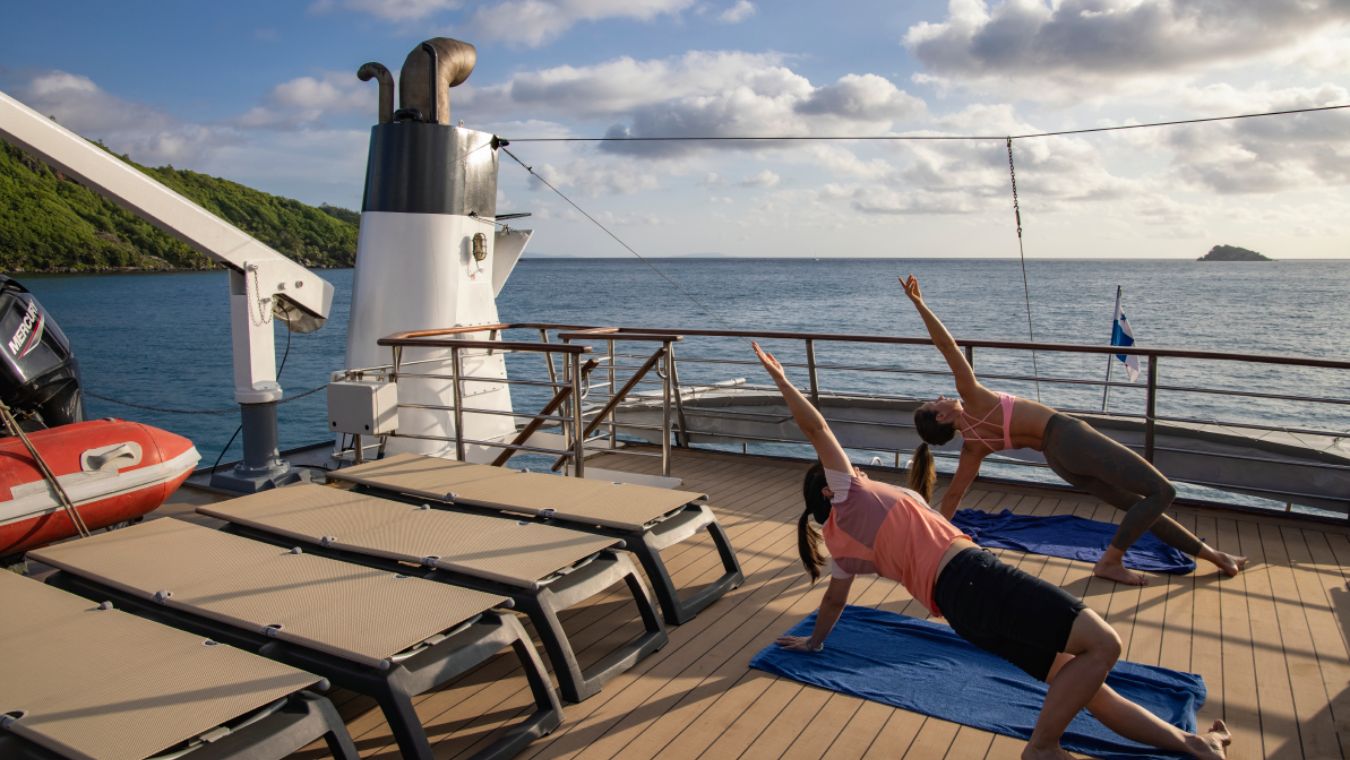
{"type": "Point", "coordinates": [1026, 289]}
{"type": "Point", "coordinates": [74, 514]}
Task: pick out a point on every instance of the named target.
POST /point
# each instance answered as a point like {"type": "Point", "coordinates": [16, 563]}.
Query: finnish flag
{"type": "Point", "coordinates": [1122, 335]}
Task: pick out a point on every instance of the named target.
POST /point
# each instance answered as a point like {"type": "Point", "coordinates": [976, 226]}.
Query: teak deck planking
{"type": "Point", "coordinates": [1270, 643]}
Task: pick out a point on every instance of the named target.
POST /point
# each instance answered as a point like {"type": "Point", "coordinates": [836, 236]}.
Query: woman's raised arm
{"type": "Point", "coordinates": [966, 384]}
{"type": "Point", "coordinates": [807, 417]}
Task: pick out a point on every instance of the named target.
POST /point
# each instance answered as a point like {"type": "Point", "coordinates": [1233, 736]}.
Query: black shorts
{"type": "Point", "coordinates": [1003, 610]}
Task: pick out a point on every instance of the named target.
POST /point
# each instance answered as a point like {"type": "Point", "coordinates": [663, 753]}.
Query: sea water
{"type": "Point", "coordinates": [156, 347]}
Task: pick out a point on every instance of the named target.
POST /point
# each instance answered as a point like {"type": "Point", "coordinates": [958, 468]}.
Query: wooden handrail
{"type": "Point", "coordinates": [447, 331]}
{"type": "Point", "coordinates": [496, 345]}
{"type": "Point", "coordinates": [614, 333]}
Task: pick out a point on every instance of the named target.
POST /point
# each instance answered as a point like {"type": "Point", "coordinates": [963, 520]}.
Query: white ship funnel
{"type": "Point", "coordinates": [427, 253]}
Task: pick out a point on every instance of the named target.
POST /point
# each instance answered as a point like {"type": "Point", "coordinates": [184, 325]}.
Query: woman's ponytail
{"type": "Point", "coordinates": [817, 506]}
{"type": "Point", "coordinates": [922, 473]}
{"type": "Point", "coordinates": [808, 546]}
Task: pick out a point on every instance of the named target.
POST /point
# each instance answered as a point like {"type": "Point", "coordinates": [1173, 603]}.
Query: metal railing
{"type": "Point", "coordinates": [603, 415]}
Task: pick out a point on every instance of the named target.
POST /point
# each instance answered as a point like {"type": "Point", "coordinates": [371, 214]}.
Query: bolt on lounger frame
{"type": "Point", "coordinates": [298, 721]}
{"type": "Point", "coordinates": [464, 648]}
{"type": "Point", "coordinates": [541, 603]}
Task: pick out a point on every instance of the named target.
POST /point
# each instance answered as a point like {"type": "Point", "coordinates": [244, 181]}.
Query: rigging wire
{"type": "Point", "coordinates": [1012, 175]}
{"type": "Point", "coordinates": [1026, 289]}
{"type": "Point", "coordinates": [702, 306]}
{"type": "Point", "coordinates": [919, 138]}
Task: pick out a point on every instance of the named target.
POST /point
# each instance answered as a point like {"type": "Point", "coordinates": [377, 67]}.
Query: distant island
{"type": "Point", "coordinates": [1232, 253]}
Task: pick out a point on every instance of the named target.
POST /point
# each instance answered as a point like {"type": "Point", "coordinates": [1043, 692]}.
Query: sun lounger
{"type": "Point", "coordinates": [543, 568]}
{"type": "Point", "coordinates": [647, 519]}
{"type": "Point", "coordinates": [84, 680]}
{"type": "Point", "coordinates": [385, 635]}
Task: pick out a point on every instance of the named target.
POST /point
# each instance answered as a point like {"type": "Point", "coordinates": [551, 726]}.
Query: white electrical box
{"type": "Point", "coordinates": [362, 408]}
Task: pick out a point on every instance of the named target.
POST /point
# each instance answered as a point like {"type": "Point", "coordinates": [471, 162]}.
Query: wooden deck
{"type": "Point", "coordinates": [1271, 643]}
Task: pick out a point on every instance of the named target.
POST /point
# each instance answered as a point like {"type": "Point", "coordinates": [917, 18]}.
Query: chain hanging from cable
{"type": "Point", "coordinates": [1026, 290]}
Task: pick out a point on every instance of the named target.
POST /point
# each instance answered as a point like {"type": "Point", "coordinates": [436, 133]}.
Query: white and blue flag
{"type": "Point", "coordinates": [1122, 335]}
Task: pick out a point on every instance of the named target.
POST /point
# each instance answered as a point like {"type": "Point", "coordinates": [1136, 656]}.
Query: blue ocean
{"type": "Point", "coordinates": [156, 347]}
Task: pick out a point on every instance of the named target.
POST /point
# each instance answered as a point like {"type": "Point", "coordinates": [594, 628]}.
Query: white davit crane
{"type": "Point", "coordinates": [263, 283]}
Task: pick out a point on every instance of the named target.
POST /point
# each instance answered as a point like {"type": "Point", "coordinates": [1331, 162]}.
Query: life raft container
{"type": "Point", "coordinates": [112, 471]}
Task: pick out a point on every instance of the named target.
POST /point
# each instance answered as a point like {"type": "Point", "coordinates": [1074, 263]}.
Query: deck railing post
{"type": "Point", "coordinates": [682, 425]}
{"type": "Point", "coordinates": [553, 378]}
{"type": "Point", "coordinates": [811, 371]}
{"type": "Point", "coordinates": [579, 437]}
{"type": "Point", "coordinates": [1150, 419]}
{"type": "Point", "coordinates": [459, 405]}
{"type": "Point", "coordinates": [614, 413]}
{"type": "Point", "coordinates": [665, 411]}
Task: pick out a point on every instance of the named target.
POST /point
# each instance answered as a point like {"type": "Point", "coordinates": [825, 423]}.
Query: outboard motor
{"type": "Point", "coordinates": [39, 377]}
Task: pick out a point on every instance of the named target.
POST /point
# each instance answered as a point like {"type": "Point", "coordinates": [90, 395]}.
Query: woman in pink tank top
{"type": "Point", "coordinates": [989, 421]}
{"type": "Point", "coordinates": [877, 528]}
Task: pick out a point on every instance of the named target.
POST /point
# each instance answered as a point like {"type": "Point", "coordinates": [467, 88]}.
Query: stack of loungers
{"type": "Point", "coordinates": [385, 635]}
{"type": "Point", "coordinates": [386, 597]}
{"type": "Point", "coordinates": [647, 519]}
{"type": "Point", "coordinates": [543, 569]}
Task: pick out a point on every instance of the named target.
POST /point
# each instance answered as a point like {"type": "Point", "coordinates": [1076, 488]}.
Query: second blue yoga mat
{"type": "Point", "coordinates": [1067, 536]}
{"type": "Point", "coordinates": [926, 668]}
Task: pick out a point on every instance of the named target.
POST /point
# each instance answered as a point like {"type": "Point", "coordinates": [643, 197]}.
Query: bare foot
{"type": "Point", "coordinates": [1115, 571]}
{"type": "Point", "coordinates": [1230, 565]}
{"type": "Point", "coordinates": [1211, 746]}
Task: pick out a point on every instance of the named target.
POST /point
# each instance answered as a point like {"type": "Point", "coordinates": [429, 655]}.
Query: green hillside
{"type": "Point", "coordinates": [49, 223]}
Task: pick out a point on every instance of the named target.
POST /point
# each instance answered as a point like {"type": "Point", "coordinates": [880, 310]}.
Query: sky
{"type": "Point", "coordinates": [265, 93]}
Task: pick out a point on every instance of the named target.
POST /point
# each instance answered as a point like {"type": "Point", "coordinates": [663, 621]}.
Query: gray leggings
{"type": "Point", "coordinates": [1091, 461]}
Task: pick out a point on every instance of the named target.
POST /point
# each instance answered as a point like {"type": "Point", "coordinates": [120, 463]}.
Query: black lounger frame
{"type": "Point", "coordinates": [467, 646]}
{"type": "Point", "coordinates": [542, 604]}
{"type": "Point", "coordinates": [646, 543]}
{"type": "Point", "coordinates": [303, 719]}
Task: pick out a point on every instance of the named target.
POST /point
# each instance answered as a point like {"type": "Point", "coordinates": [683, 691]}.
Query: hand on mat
{"type": "Point", "coordinates": [912, 288]}
{"type": "Point", "coordinates": [796, 643]}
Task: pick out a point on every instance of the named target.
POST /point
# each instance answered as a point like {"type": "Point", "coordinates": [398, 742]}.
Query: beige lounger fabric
{"type": "Point", "coordinates": [251, 584]}
{"type": "Point", "coordinates": [616, 505]}
{"type": "Point", "coordinates": [507, 551]}
{"type": "Point", "coordinates": [105, 684]}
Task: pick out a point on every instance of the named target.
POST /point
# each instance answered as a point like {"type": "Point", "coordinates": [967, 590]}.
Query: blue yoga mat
{"type": "Point", "coordinates": [926, 668]}
{"type": "Point", "coordinates": [1069, 537]}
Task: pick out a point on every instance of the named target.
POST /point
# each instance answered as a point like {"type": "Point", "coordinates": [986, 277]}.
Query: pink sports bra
{"type": "Point", "coordinates": [968, 424]}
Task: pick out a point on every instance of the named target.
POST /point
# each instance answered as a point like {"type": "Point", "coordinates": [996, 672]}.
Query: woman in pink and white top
{"type": "Point", "coordinates": [877, 528]}
{"type": "Point", "coordinates": [990, 421]}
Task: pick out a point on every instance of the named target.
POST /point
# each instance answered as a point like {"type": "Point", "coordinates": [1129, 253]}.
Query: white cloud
{"type": "Point", "coordinates": [1043, 48]}
{"type": "Point", "coordinates": [724, 94]}
{"type": "Point", "coordinates": [885, 200]}
{"type": "Point", "coordinates": [389, 10]}
{"type": "Point", "coordinates": [1263, 154]}
{"type": "Point", "coordinates": [865, 97]}
{"type": "Point", "coordinates": [765, 178]}
{"type": "Point", "coordinates": [533, 23]}
{"type": "Point", "coordinates": [593, 178]}
{"type": "Point", "coordinates": [315, 165]}
{"type": "Point", "coordinates": [309, 100]}
{"type": "Point", "coordinates": [149, 136]}
{"type": "Point", "coordinates": [738, 12]}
